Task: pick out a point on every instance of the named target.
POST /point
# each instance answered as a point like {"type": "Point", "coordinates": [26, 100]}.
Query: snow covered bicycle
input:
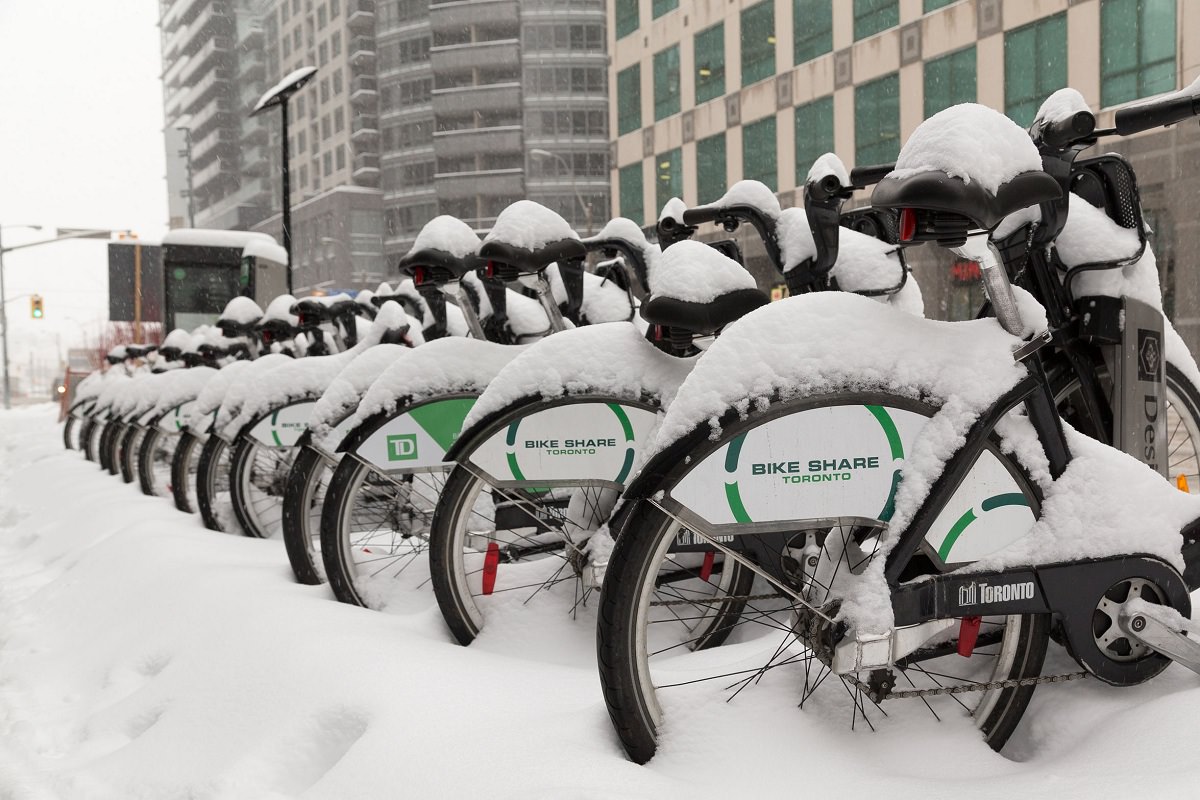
{"type": "Point", "coordinates": [918, 521]}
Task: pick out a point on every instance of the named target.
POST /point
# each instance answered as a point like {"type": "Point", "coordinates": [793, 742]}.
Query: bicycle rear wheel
{"type": "Point", "coordinates": [154, 460]}
{"type": "Point", "coordinates": [212, 484]}
{"type": "Point", "coordinates": [127, 451]}
{"type": "Point", "coordinates": [184, 466]}
{"type": "Point", "coordinates": [257, 476]}
{"type": "Point", "coordinates": [303, 499]}
{"type": "Point", "coordinates": [71, 433]}
{"type": "Point", "coordinates": [375, 532]}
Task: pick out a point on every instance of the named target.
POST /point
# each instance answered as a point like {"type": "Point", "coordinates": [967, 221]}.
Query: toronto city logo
{"type": "Point", "coordinates": [975, 593]}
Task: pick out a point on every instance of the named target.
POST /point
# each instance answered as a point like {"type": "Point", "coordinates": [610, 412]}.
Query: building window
{"type": "Point", "coordinates": [630, 179]}
{"type": "Point", "coordinates": [337, 81]}
{"type": "Point", "coordinates": [759, 160]}
{"type": "Point", "coordinates": [668, 172]}
{"type": "Point", "coordinates": [334, 8]}
{"type": "Point", "coordinates": [949, 80]}
{"type": "Point", "coordinates": [710, 168]}
{"type": "Point", "coordinates": [287, 47]}
{"type": "Point", "coordinates": [327, 162]}
{"type": "Point", "coordinates": [709, 57]}
{"type": "Point", "coordinates": [1137, 49]}
{"type": "Point", "coordinates": [758, 42]}
{"type": "Point", "coordinates": [814, 134]}
{"type": "Point", "coordinates": [322, 19]}
{"type": "Point", "coordinates": [934, 5]}
{"type": "Point", "coordinates": [629, 99]}
{"type": "Point", "coordinates": [324, 90]}
{"type": "Point", "coordinates": [877, 121]}
{"type": "Point", "coordinates": [1035, 64]}
{"type": "Point", "coordinates": [660, 7]}
{"type": "Point", "coordinates": [666, 82]}
{"type": "Point", "coordinates": [873, 16]}
{"type": "Point", "coordinates": [322, 54]}
{"type": "Point", "coordinates": [627, 17]}
{"type": "Point", "coordinates": [325, 129]}
{"type": "Point", "coordinates": [812, 29]}
{"type": "Point", "coordinates": [339, 119]}
{"type": "Point", "coordinates": [335, 44]}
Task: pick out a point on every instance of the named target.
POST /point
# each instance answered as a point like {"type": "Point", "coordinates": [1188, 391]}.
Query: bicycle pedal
{"type": "Point", "coordinates": [1162, 629]}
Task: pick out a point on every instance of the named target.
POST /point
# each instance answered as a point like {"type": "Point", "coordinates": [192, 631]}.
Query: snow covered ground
{"type": "Point", "coordinates": [142, 656]}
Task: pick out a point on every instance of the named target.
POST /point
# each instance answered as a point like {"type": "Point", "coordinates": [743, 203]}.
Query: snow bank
{"type": "Point", "coordinates": [449, 234]}
{"type": "Point", "coordinates": [694, 272]}
{"type": "Point", "coordinates": [442, 366]}
{"type": "Point", "coordinates": [529, 225]}
{"type": "Point", "coordinates": [613, 359]}
{"type": "Point", "coordinates": [971, 142]}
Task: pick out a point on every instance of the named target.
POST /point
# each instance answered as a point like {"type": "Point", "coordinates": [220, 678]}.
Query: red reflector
{"type": "Point", "coordinates": [490, 561]}
{"type": "Point", "coordinates": [658, 333]}
{"type": "Point", "coordinates": [968, 633]}
{"type": "Point", "coordinates": [908, 224]}
{"type": "Point", "coordinates": [490, 270]}
{"type": "Point", "coordinates": [706, 567]}
{"type": "Point", "coordinates": [418, 275]}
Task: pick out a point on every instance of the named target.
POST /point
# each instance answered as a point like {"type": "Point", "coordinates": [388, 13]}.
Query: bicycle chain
{"type": "Point", "coordinates": [963, 688]}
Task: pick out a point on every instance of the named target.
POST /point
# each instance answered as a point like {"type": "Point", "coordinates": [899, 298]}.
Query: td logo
{"type": "Point", "coordinates": [402, 447]}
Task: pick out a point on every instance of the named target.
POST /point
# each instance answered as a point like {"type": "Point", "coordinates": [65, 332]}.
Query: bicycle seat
{"type": "Point", "coordinates": [311, 312]}
{"type": "Point", "coordinates": [275, 330]}
{"type": "Point", "coordinates": [431, 265]}
{"type": "Point", "coordinates": [139, 350]}
{"type": "Point", "coordinates": [702, 318]}
{"type": "Point", "coordinates": [938, 191]}
{"type": "Point", "coordinates": [508, 262]}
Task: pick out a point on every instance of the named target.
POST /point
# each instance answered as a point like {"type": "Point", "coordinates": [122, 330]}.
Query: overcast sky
{"type": "Point", "coordinates": [80, 146]}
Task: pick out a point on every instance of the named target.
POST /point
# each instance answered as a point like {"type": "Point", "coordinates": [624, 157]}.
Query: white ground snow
{"type": "Point", "coordinates": [146, 657]}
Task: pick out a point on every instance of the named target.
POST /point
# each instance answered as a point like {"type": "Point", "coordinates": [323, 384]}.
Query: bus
{"type": "Point", "coordinates": [204, 269]}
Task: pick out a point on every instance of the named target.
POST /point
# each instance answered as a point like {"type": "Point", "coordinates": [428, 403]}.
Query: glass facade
{"type": "Point", "coordinates": [1035, 65]}
{"type": "Point", "coordinates": [759, 158]}
{"type": "Point", "coordinates": [710, 168]}
{"type": "Point", "coordinates": [758, 42]}
{"type": "Point", "coordinates": [877, 121]}
{"type": "Point", "coordinates": [629, 99]}
{"type": "Point", "coordinates": [949, 80]}
{"type": "Point", "coordinates": [660, 7]}
{"type": "Point", "coordinates": [668, 169]}
{"type": "Point", "coordinates": [709, 57]}
{"type": "Point", "coordinates": [814, 134]}
{"type": "Point", "coordinates": [666, 82]}
{"type": "Point", "coordinates": [632, 204]}
{"type": "Point", "coordinates": [812, 29]}
{"type": "Point", "coordinates": [1137, 49]}
{"type": "Point", "coordinates": [627, 17]}
{"type": "Point", "coordinates": [873, 16]}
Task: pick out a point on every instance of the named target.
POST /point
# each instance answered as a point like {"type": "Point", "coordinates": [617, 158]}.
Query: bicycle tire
{"type": "Point", "coordinates": [257, 475]}
{"type": "Point", "coordinates": [154, 459]}
{"type": "Point", "coordinates": [209, 479]}
{"type": "Point", "coordinates": [303, 498]}
{"type": "Point", "coordinates": [624, 649]}
{"type": "Point", "coordinates": [108, 447]}
{"type": "Point", "coordinates": [88, 436]}
{"type": "Point", "coordinates": [127, 450]}
{"type": "Point", "coordinates": [183, 472]}
{"type": "Point", "coordinates": [70, 425]}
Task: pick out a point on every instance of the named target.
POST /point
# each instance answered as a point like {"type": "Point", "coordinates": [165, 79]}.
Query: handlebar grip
{"type": "Point", "coordinates": [822, 190]}
{"type": "Point", "coordinates": [1068, 131]}
{"type": "Point", "coordinates": [861, 177]}
{"type": "Point", "coordinates": [1167, 111]}
{"type": "Point", "coordinates": [697, 216]}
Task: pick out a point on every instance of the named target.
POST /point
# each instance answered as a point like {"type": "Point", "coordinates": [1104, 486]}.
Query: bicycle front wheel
{"type": "Point", "coordinates": [212, 484]}
{"type": "Point", "coordinates": [303, 499]}
{"type": "Point", "coordinates": [257, 476]}
{"type": "Point", "coordinates": [184, 465]}
{"type": "Point", "coordinates": [154, 459]}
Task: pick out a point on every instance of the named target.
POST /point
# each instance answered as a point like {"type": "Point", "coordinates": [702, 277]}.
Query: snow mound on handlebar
{"type": "Point", "coordinates": [613, 359]}
{"type": "Point", "coordinates": [303, 378]}
{"type": "Point", "coordinates": [630, 231]}
{"type": "Point", "coordinates": [1060, 106]}
{"type": "Point", "coordinates": [755, 194]}
{"type": "Point", "coordinates": [348, 387]}
{"type": "Point", "coordinates": [242, 310]}
{"type": "Point", "coordinates": [828, 164]}
{"type": "Point", "coordinates": [529, 225]}
{"type": "Point", "coordinates": [864, 263]}
{"type": "Point", "coordinates": [449, 234]}
{"type": "Point", "coordinates": [694, 272]}
{"type": "Point", "coordinates": [673, 209]}
{"type": "Point", "coordinates": [971, 142]}
{"type": "Point", "coordinates": [444, 366]}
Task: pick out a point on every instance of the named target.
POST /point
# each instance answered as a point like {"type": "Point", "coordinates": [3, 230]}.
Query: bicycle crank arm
{"type": "Point", "coordinates": [1158, 627]}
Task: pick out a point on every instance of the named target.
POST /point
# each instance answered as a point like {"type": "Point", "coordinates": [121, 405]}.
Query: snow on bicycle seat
{"type": "Point", "coordinates": [968, 161]}
{"type": "Point", "coordinates": [526, 239]}
{"type": "Point", "coordinates": [699, 289]}
{"type": "Point", "coordinates": [440, 252]}
{"type": "Point", "coordinates": [240, 316]}
{"type": "Point", "coordinates": [174, 343]}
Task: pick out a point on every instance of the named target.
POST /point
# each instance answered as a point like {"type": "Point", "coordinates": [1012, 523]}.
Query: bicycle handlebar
{"type": "Point", "coordinates": [1070, 130]}
{"type": "Point", "coordinates": [698, 216]}
{"type": "Point", "coordinates": [630, 252]}
{"type": "Point", "coordinates": [1158, 113]}
{"type": "Point", "coordinates": [862, 177]}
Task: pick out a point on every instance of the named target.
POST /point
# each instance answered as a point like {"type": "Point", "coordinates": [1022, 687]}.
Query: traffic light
{"type": "Point", "coordinates": [35, 307]}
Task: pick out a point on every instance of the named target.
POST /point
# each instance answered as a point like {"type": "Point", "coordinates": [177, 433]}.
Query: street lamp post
{"type": "Point", "coordinates": [539, 154]}
{"type": "Point", "coordinates": [278, 95]}
{"type": "Point", "coordinates": [63, 233]}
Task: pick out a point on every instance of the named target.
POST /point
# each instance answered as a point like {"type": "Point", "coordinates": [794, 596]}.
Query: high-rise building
{"type": "Point", "coordinates": [484, 102]}
{"type": "Point", "coordinates": [708, 93]}
{"type": "Point", "coordinates": [217, 160]}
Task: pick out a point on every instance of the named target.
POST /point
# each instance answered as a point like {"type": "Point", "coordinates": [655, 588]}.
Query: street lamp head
{"type": "Point", "coordinates": [279, 94]}
{"type": "Point", "coordinates": [538, 152]}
